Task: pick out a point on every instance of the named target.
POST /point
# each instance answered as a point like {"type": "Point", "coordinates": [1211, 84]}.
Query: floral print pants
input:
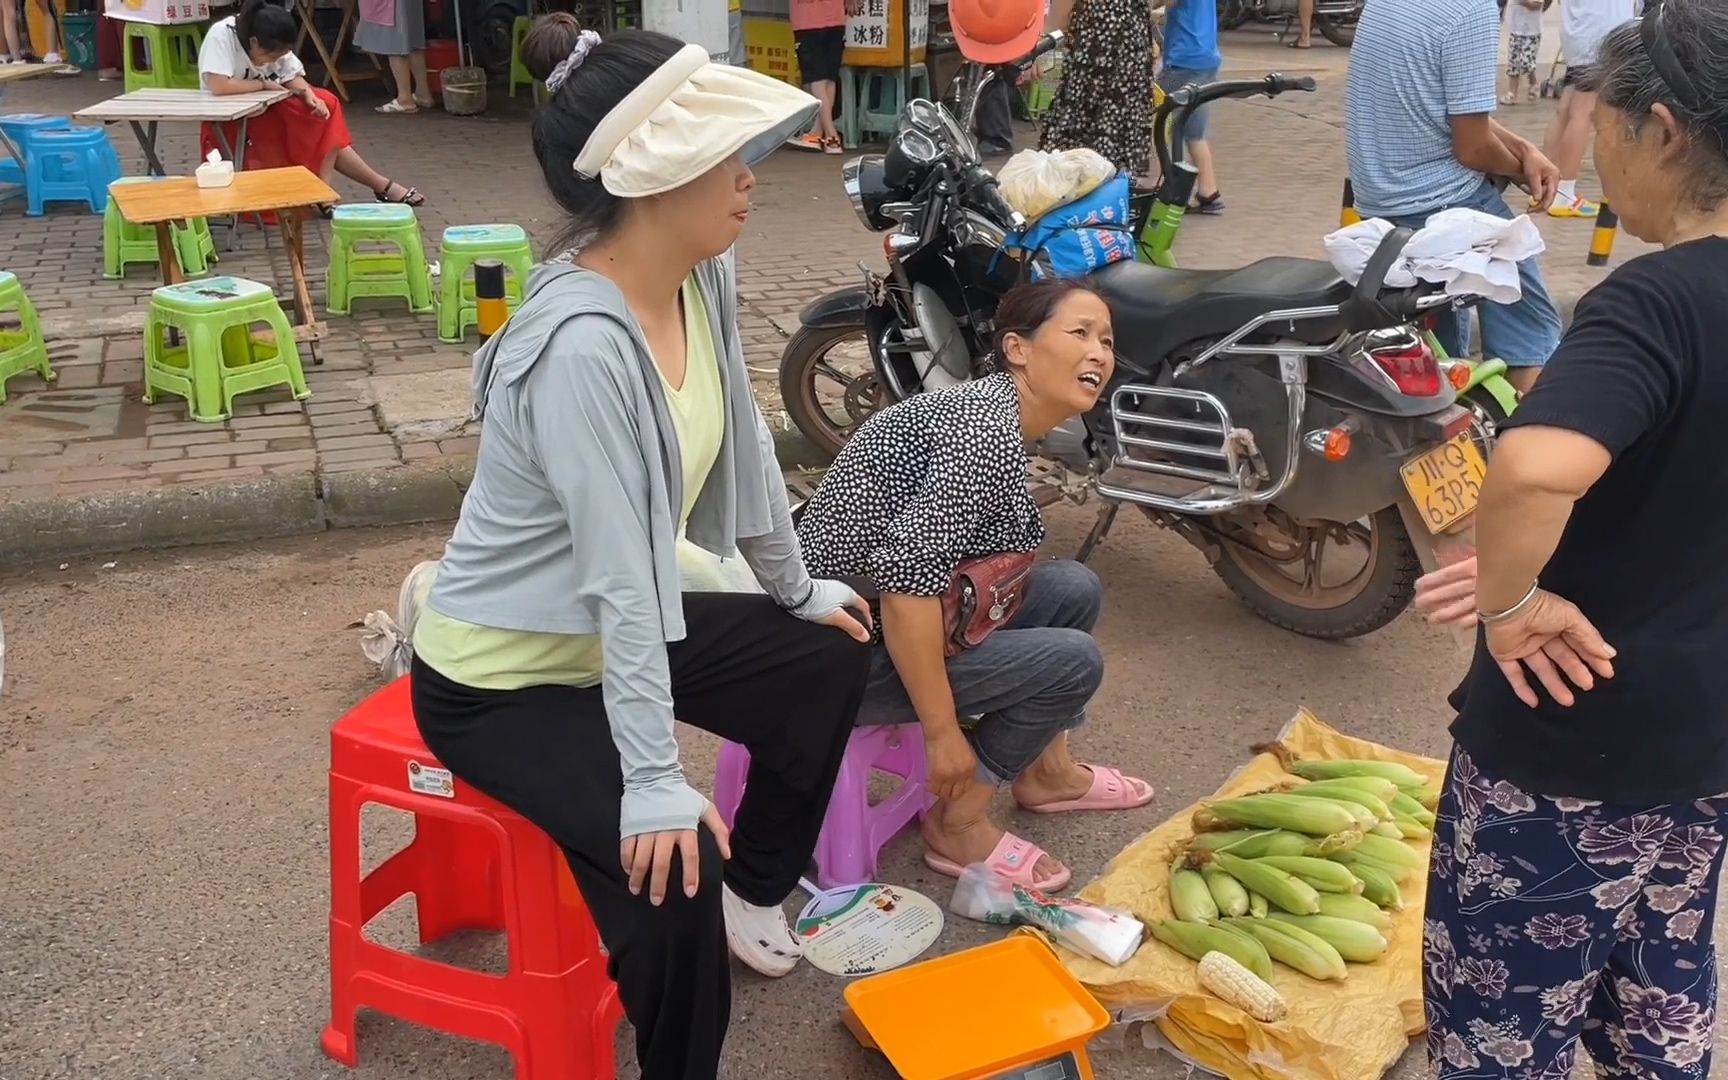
{"type": "Point", "coordinates": [1552, 921]}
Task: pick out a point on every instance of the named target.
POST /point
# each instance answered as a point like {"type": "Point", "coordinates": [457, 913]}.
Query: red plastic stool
{"type": "Point", "coordinates": [473, 865]}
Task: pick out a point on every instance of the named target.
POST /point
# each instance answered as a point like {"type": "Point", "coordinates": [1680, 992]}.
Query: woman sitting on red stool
{"type": "Point", "coordinates": [251, 52]}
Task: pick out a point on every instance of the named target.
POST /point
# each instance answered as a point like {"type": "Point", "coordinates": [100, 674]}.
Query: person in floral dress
{"type": "Point", "coordinates": [1579, 845]}
{"type": "Point", "coordinates": [1105, 101]}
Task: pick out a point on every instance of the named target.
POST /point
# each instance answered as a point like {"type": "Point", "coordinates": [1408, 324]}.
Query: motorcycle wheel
{"type": "Point", "coordinates": [1339, 31]}
{"type": "Point", "coordinates": [1232, 14]}
{"type": "Point", "coordinates": [808, 366]}
{"type": "Point", "coordinates": [1364, 602]}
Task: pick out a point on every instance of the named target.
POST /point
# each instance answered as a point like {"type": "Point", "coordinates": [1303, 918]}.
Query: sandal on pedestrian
{"type": "Point", "coordinates": [1298, 43]}
{"type": "Point", "coordinates": [396, 108]}
{"type": "Point", "coordinates": [1208, 204]}
{"type": "Point", "coordinates": [1110, 790]}
{"type": "Point", "coordinates": [410, 196]}
{"type": "Point", "coordinates": [426, 102]}
{"type": "Point", "coordinates": [325, 210]}
{"type": "Point", "coordinates": [1013, 858]}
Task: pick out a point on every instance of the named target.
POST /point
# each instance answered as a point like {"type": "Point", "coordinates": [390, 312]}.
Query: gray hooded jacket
{"type": "Point", "coordinates": [570, 525]}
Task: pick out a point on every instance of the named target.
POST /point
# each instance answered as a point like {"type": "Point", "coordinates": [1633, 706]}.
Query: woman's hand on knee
{"type": "Point", "coordinates": [648, 857]}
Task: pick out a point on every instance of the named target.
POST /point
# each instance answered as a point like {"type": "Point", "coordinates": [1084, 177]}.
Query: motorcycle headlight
{"type": "Point", "coordinates": [868, 191]}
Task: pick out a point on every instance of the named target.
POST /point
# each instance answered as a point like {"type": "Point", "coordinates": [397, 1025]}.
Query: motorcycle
{"type": "Point", "coordinates": [1297, 430]}
{"type": "Point", "coordinates": [1335, 19]}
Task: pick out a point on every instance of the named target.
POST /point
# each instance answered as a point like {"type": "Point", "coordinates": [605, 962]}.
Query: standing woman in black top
{"type": "Point", "coordinates": [1576, 861]}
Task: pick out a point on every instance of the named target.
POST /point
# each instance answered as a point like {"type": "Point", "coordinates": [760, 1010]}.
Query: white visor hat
{"type": "Point", "coordinates": [690, 115]}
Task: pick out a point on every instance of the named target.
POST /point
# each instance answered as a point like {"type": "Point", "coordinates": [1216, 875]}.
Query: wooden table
{"type": "Point", "coordinates": [287, 192]}
{"type": "Point", "coordinates": [145, 109]}
{"type": "Point", "coordinates": [331, 52]}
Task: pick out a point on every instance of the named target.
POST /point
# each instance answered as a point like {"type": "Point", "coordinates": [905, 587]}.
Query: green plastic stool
{"type": "Point", "coordinates": [872, 99]}
{"type": "Point", "coordinates": [463, 246]}
{"type": "Point", "coordinates": [221, 357]}
{"type": "Point", "coordinates": [399, 271]}
{"type": "Point", "coordinates": [519, 73]}
{"type": "Point", "coordinates": [171, 53]}
{"type": "Point", "coordinates": [22, 349]}
{"type": "Point", "coordinates": [124, 243]}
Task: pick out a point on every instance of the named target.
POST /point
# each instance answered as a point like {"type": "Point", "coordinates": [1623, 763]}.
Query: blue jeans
{"type": "Point", "coordinates": [1175, 78]}
{"type": "Point", "coordinates": [1028, 682]}
{"type": "Point", "coordinates": [1553, 923]}
{"type": "Point", "coordinates": [1524, 334]}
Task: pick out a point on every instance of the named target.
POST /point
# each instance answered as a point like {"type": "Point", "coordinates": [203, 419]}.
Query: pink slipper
{"type": "Point", "coordinates": [1013, 858]}
{"type": "Point", "coordinates": [1110, 790]}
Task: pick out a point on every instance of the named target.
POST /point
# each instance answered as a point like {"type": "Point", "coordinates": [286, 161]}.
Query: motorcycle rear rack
{"type": "Point", "coordinates": [1213, 441]}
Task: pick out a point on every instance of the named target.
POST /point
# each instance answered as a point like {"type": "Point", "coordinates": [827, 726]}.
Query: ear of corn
{"type": "Point", "coordinates": [1190, 899]}
{"type": "Point", "coordinates": [1235, 984]}
{"type": "Point", "coordinates": [1392, 852]}
{"type": "Point", "coordinates": [1375, 806]}
{"type": "Point", "coordinates": [1401, 775]}
{"type": "Point", "coordinates": [1352, 906]}
{"type": "Point", "coordinates": [1410, 828]}
{"type": "Point", "coordinates": [1256, 843]}
{"type": "Point", "coordinates": [1195, 940]}
{"type": "Point", "coordinates": [1295, 948]}
{"type": "Point", "coordinates": [1404, 804]}
{"type": "Point", "coordinates": [1311, 817]}
{"type": "Point", "coordinates": [1382, 789]}
{"type": "Point", "coordinates": [1324, 874]}
{"type": "Point", "coordinates": [1258, 907]}
{"type": "Point", "coordinates": [1378, 886]}
{"type": "Point", "coordinates": [1428, 798]}
{"type": "Point", "coordinates": [1278, 886]}
{"type": "Point", "coordinates": [1388, 829]}
{"type": "Point", "coordinates": [1227, 892]}
{"type": "Point", "coordinates": [1356, 942]}
{"type": "Point", "coordinates": [1357, 861]}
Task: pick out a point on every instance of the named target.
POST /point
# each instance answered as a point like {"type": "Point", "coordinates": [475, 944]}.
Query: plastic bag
{"type": "Point", "coordinates": [389, 642]}
{"type": "Point", "coordinates": [1036, 181]}
{"type": "Point", "coordinates": [1079, 237]}
{"type": "Point", "coordinates": [1102, 933]}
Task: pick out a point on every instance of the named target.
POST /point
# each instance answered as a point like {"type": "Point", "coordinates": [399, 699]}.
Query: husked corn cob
{"type": "Point", "coordinates": [1392, 852]}
{"type": "Point", "coordinates": [1233, 983]}
{"type": "Point", "coordinates": [1190, 899]}
{"type": "Point", "coordinates": [1403, 803]}
{"type": "Point", "coordinates": [1355, 941]}
{"type": "Point", "coordinates": [1281, 887]}
{"type": "Point", "coordinates": [1312, 817]}
{"type": "Point", "coordinates": [1344, 794]}
{"type": "Point", "coordinates": [1227, 892]}
{"type": "Point", "coordinates": [1378, 886]}
{"type": "Point", "coordinates": [1295, 948]}
{"type": "Point", "coordinates": [1254, 843]}
{"type": "Point", "coordinates": [1401, 775]}
{"type": "Point", "coordinates": [1352, 906]}
{"type": "Point", "coordinates": [1195, 940]}
{"type": "Point", "coordinates": [1258, 906]}
{"type": "Point", "coordinates": [1324, 874]}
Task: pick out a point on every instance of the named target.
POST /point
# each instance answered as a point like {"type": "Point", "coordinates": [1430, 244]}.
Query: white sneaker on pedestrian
{"type": "Point", "coordinates": [53, 58]}
{"type": "Point", "coordinates": [759, 936]}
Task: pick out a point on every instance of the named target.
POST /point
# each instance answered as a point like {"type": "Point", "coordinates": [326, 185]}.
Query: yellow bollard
{"type": "Point", "coordinates": [490, 306]}
{"type": "Point", "coordinates": [1602, 237]}
{"type": "Point", "coordinates": [1347, 215]}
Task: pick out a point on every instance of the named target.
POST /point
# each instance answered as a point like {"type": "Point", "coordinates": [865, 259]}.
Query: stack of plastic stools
{"type": "Point", "coordinates": [854, 832]}
{"type": "Point", "coordinates": [22, 349]}
{"type": "Point", "coordinates": [19, 128]}
{"type": "Point", "coordinates": [463, 246]}
{"type": "Point", "coordinates": [519, 73]}
{"type": "Point", "coordinates": [69, 165]}
{"type": "Point", "coordinates": [222, 356]}
{"type": "Point", "coordinates": [169, 59]}
{"type": "Point", "coordinates": [473, 865]}
{"type": "Point", "coordinates": [400, 270]}
{"type": "Point", "coordinates": [872, 99]}
{"type": "Point", "coordinates": [124, 243]}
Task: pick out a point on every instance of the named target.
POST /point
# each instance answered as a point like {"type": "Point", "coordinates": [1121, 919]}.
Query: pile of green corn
{"type": "Point", "coordinates": [1304, 874]}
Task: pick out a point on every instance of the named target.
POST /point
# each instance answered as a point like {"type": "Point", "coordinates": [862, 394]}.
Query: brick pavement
{"type": "Point", "coordinates": [390, 400]}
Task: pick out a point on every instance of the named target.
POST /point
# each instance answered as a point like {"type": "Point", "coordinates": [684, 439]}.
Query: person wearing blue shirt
{"type": "Point", "coordinates": [1190, 57]}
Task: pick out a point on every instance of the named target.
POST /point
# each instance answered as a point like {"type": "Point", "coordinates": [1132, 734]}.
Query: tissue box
{"type": "Point", "coordinates": [160, 12]}
{"type": "Point", "coordinates": [215, 174]}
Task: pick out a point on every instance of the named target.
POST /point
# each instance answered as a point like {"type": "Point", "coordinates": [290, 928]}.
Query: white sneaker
{"type": "Point", "coordinates": [759, 936]}
{"type": "Point", "coordinates": [53, 58]}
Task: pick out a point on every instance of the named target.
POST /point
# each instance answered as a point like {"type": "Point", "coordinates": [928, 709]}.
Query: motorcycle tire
{"type": "Point", "coordinates": [1340, 32]}
{"type": "Point", "coordinates": [798, 363]}
{"type": "Point", "coordinates": [1389, 586]}
{"type": "Point", "coordinates": [1232, 14]}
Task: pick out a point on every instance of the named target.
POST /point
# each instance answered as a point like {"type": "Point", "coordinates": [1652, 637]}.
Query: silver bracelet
{"type": "Point", "coordinates": [1490, 618]}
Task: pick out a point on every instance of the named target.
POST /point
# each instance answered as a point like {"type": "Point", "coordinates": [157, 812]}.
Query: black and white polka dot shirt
{"type": "Point", "coordinates": [922, 485]}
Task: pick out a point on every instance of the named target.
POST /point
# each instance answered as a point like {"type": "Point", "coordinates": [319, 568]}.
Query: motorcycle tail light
{"type": "Point", "coordinates": [1412, 367]}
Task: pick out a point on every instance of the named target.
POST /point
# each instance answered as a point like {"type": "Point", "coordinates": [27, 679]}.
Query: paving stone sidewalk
{"type": "Point", "coordinates": [85, 465]}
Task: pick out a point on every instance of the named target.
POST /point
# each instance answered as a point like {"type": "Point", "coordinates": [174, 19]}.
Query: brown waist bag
{"type": "Point", "coordinates": [983, 597]}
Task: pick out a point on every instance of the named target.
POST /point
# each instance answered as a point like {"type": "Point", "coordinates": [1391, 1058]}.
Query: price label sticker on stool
{"type": "Point", "coordinates": [431, 780]}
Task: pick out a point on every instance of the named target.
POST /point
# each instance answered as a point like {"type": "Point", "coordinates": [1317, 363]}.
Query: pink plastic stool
{"type": "Point", "coordinates": [854, 831]}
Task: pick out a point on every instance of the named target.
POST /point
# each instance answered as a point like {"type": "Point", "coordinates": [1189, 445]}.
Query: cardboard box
{"type": "Point", "coordinates": [160, 12]}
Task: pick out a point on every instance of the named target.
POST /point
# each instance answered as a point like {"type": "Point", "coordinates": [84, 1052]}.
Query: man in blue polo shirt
{"type": "Point", "coordinates": [1191, 57]}
{"type": "Point", "coordinates": [1422, 139]}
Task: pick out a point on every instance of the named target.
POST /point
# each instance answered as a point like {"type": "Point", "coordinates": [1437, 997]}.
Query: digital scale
{"type": "Point", "coordinates": [1005, 1011]}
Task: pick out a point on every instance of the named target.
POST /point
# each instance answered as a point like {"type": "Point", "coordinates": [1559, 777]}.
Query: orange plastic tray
{"type": "Point", "coordinates": [975, 1013]}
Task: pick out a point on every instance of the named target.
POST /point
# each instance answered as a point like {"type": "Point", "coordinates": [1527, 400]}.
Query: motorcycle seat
{"type": "Point", "coordinates": [1157, 309]}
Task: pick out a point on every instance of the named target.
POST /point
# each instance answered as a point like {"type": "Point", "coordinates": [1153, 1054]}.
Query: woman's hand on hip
{"type": "Point", "coordinates": [1551, 638]}
{"type": "Point", "coordinates": [951, 763]}
{"type": "Point", "coordinates": [834, 603]}
{"type": "Point", "coordinates": [1447, 597]}
{"type": "Point", "coordinates": [648, 857]}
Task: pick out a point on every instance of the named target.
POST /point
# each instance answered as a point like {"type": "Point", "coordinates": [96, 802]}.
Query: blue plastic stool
{"type": "Point", "coordinates": [19, 127]}
{"type": "Point", "coordinates": [74, 165]}
{"type": "Point", "coordinates": [872, 99]}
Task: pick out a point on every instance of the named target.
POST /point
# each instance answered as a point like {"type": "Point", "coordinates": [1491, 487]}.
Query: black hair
{"type": "Point", "coordinates": [1025, 309]}
{"type": "Point", "coordinates": [562, 126]}
{"type": "Point", "coordinates": [1629, 80]}
{"type": "Point", "coordinates": [266, 22]}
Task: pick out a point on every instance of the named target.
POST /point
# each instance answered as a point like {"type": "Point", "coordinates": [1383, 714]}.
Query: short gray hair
{"type": "Point", "coordinates": [1628, 80]}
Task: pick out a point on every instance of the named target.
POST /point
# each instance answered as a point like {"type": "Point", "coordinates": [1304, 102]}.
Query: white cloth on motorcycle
{"type": "Point", "coordinates": [1470, 252]}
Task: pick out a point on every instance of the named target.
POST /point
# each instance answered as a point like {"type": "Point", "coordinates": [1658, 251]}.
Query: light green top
{"type": "Point", "coordinates": [488, 658]}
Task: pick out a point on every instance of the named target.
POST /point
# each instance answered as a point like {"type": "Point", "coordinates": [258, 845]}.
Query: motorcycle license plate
{"type": "Point", "coordinates": [1446, 482]}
